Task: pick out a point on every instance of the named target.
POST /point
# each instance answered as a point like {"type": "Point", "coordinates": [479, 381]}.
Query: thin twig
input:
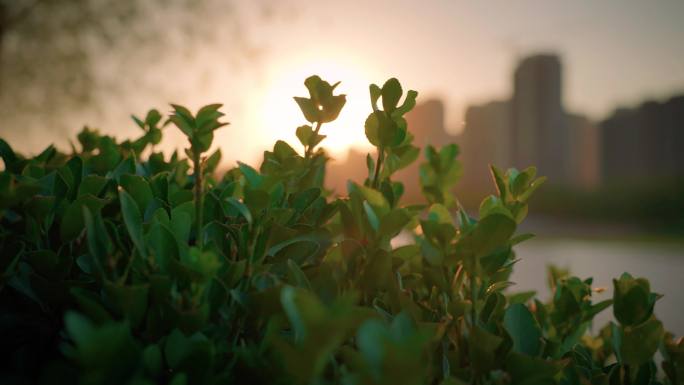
{"type": "Point", "coordinates": [198, 199]}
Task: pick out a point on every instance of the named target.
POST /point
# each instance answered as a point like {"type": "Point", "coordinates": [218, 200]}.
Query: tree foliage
{"type": "Point", "coordinates": [65, 58]}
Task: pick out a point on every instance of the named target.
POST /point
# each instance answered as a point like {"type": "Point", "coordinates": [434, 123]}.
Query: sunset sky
{"type": "Point", "coordinates": [616, 52]}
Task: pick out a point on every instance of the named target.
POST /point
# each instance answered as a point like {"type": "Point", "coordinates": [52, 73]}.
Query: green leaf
{"type": "Point", "coordinates": [489, 234]}
{"type": "Point", "coordinates": [193, 355]}
{"type": "Point", "coordinates": [401, 157]}
{"type": "Point", "coordinates": [520, 238]}
{"type": "Point", "coordinates": [297, 276]}
{"type": "Point", "coordinates": [126, 166]}
{"type": "Point", "coordinates": [303, 199]}
{"type": "Point", "coordinates": [375, 93]}
{"type": "Point", "coordinates": [129, 301]}
{"type": "Point", "coordinates": [40, 206]}
{"type": "Point", "coordinates": [526, 370]}
{"type": "Point", "coordinates": [371, 215]}
{"type": "Point", "coordinates": [408, 104]}
{"type": "Point", "coordinates": [203, 262]}
{"type": "Point", "coordinates": [633, 301]}
{"type": "Point", "coordinates": [152, 360]}
{"type": "Point", "coordinates": [616, 340]}
{"type": "Point", "coordinates": [391, 353]}
{"type": "Point", "coordinates": [406, 252]}
{"type": "Point", "coordinates": [49, 264]}
{"type": "Point", "coordinates": [382, 131]}
{"type": "Point", "coordinates": [494, 304]}
{"type": "Point", "coordinates": [139, 190]}
{"type": "Point", "coordinates": [523, 329]}
{"type": "Point", "coordinates": [392, 223]}
{"type": "Point", "coordinates": [212, 161]}
{"type": "Point", "coordinates": [7, 154]}
{"type": "Point", "coordinates": [106, 354]}
{"type": "Point", "coordinates": [597, 308]}
{"type": "Point", "coordinates": [332, 106]}
{"type": "Point", "coordinates": [304, 134]}
{"type": "Point", "coordinates": [153, 117]}
{"type": "Point", "coordinates": [133, 220]}
{"type": "Point", "coordinates": [207, 117]}
{"type": "Point", "coordinates": [372, 127]}
{"type": "Point", "coordinates": [521, 297]}
{"type": "Point", "coordinates": [309, 109]}
{"type": "Point", "coordinates": [90, 305]}
{"type": "Point", "coordinates": [108, 158]}
{"type": "Point", "coordinates": [501, 186]}
{"type": "Point", "coordinates": [72, 220]}
{"type": "Point", "coordinates": [198, 129]}
{"type": "Point", "coordinates": [241, 208]}
{"type": "Point", "coordinates": [91, 185]}
{"type": "Point", "coordinates": [440, 214]}
{"type": "Point", "coordinates": [391, 93]}
{"type": "Point", "coordinates": [465, 222]}
{"type": "Point", "coordinates": [99, 243]}
{"type": "Point", "coordinates": [520, 181]}
{"type": "Point", "coordinates": [254, 179]}
{"type": "Point", "coordinates": [301, 308]}
{"type": "Point", "coordinates": [312, 241]}
{"type": "Point", "coordinates": [374, 197]}
{"type": "Point", "coordinates": [483, 346]}
{"type": "Point", "coordinates": [639, 343]}
{"type": "Point", "coordinates": [137, 121]}
{"type": "Point", "coordinates": [493, 205]}
{"type": "Point", "coordinates": [163, 245]}
{"type": "Point", "coordinates": [313, 84]}
{"type": "Point", "coordinates": [183, 119]}
{"type": "Point", "coordinates": [524, 197]}
{"type": "Point", "coordinates": [282, 150]}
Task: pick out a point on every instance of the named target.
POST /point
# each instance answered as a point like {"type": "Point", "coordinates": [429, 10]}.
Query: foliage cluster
{"type": "Point", "coordinates": [654, 204]}
{"type": "Point", "coordinates": [119, 268]}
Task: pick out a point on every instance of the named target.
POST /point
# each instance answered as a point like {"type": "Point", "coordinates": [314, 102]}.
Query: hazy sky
{"type": "Point", "coordinates": [614, 52]}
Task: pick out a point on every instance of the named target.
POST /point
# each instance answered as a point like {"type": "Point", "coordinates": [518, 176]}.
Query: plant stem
{"type": "Point", "coordinates": [378, 164]}
{"type": "Point", "coordinates": [309, 149]}
{"type": "Point", "coordinates": [473, 298]}
{"type": "Point", "coordinates": [199, 220]}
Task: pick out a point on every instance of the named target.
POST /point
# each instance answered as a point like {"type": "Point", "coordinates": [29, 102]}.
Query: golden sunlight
{"type": "Point", "coordinates": [279, 115]}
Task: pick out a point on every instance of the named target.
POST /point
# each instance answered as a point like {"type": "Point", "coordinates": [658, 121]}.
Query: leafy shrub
{"type": "Point", "coordinates": [119, 268]}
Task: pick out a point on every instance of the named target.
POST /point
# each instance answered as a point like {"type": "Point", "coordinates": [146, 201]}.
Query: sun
{"type": "Point", "coordinates": [279, 114]}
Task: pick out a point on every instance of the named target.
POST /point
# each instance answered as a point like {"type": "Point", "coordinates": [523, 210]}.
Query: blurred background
{"type": "Point", "coordinates": [592, 93]}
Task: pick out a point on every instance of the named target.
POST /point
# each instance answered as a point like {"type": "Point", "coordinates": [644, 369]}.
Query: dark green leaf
{"type": "Point", "coordinates": [523, 329]}
{"type": "Point", "coordinates": [133, 220]}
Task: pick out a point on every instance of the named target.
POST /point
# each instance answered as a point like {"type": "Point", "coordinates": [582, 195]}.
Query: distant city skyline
{"type": "Point", "coordinates": [616, 53]}
{"type": "Point", "coordinates": [533, 127]}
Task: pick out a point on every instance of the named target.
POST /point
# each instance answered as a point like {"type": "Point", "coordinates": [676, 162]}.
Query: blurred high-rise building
{"type": "Point", "coordinates": [486, 140]}
{"type": "Point", "coordinates": [644, 142]}
{"type": "Point", "coordinates": [584, 155]}
{"type": "Point", "coordinates": [540, 132]}
{"type": "Point", "coordinates": [531, 129]}
{"type": "Point", "coordinates": [426, 123]}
